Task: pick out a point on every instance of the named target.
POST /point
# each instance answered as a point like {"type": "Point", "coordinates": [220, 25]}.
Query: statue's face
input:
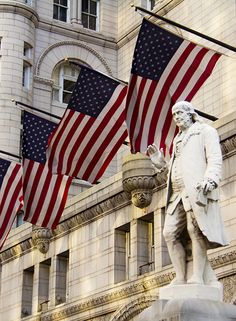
{"type": "Point", "coordinates": [182, 118]}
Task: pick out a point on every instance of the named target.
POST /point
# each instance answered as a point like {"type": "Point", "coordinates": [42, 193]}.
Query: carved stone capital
{"type": "Point", "coordinates": [41, 238]}
{"type": "Point", "coordinates": [138, 180]}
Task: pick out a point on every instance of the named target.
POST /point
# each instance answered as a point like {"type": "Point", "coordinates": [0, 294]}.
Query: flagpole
{"type": "Point", "coordinates": [19, 157]}
{"type": "Point", "coordinates": [36, 109]}
{"type": "Point", "coordinates": [202, 114]}
{"type": "Point", "coordinates": [109, 76]}
{"type": "Point", "coordinates": [10, 154]}
{"type": "Point", "coordinates": [176, 24]}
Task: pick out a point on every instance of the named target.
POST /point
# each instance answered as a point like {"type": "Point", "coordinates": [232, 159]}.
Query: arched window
{"type": "Point", "coordinates": [65, 76]}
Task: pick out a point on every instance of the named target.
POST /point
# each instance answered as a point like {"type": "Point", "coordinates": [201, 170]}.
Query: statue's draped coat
{"type": "Point", "coordinates": [201, 158]}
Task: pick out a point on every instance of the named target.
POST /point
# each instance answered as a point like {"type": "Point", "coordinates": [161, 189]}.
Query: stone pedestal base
{"type": "Point", "coordinates": [188, 310]}
{"type": "Point", "coordinates": [193, 291]}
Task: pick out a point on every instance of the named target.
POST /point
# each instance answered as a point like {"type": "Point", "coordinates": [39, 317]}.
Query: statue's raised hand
{"type": "Point", "coordinates": [157, 156]}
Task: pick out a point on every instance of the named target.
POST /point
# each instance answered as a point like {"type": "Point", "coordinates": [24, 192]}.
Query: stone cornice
{"type": "Point", "coordinates": [15, 251]}
{"type": "Point", "coordinates": [88, 215]}
{"type": "Point", "coordinates": [21, 9]}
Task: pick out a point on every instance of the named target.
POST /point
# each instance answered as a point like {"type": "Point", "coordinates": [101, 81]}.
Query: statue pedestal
{"type": "Point", "coordinates": [193, 291]}
{"type": "Point", "coordinates": [189, 303]}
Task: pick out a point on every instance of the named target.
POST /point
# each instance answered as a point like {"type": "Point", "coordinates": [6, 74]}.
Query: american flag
{"type": "Point", "coordinates": [92, 129]}
{"type": "Point", "coordinates": [166, 68]}
{"type": "Point", "coordinates": [45, 193]}
{"type": "Point", "coordinates": [11, 195]}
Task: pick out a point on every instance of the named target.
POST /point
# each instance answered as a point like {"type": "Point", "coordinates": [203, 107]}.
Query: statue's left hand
{"type": "Point", "coordinates": [207, 185]}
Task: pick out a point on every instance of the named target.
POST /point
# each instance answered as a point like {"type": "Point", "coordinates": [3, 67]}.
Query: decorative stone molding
{"type": "Point", "coordinates": [108, 298]}
{"type": "Point", "coordinates": [91, 213]}
{"type": "Point", "coordinates": [132, 309]}
{"type": "Point", "coordinates": [229, 284]}
{"type": "Point", "coordinates": [138, 179]}
{"type": "Point", "coordinates": [228, 145]}
{"type": "Point", "coordinates": [71, 43]}
{"type": "Point", "coordinates": [48, 82]}
{"type": "Point", "coordinates": [41, 238]}
{"type": "Point", "coordinates": [16, 250]}
{"type": "Point", "coordinates": [223, 259]}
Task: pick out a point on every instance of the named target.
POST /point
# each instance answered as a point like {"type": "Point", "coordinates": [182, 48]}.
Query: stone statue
{"type": "Point", "coordinates": [192, 195]}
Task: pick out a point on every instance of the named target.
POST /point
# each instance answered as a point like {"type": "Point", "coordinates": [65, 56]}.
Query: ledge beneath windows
{"type": "Point", "coordinates": [76, 31]}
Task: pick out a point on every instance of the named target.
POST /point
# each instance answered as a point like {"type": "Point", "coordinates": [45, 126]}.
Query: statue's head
{"type": "Point", "coordinates": [184, 114]}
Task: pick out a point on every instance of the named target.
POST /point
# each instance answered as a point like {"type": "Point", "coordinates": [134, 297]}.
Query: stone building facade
{"type": "Point", "coordinates": [107, 259]}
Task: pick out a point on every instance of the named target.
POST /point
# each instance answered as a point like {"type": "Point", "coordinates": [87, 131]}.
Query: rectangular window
{"type": "Point", "coordinates": [150, 4]}
{"type": "Point", "coordinates": [62, 267]}
{"type": "Point", "coordinates": [61, 10]}
{"type": "Point", "coordinates": [68, 86]}
{"type": "Point", "coordinates": [147, 4]}
{"type": "Point", "coordinates": [27, 292]}
{"type": "Point", "coordinates": [27, 51]}
{"type": "Point", "coordinates": [43, 292]}
{"type": "Point", "coordinates": [90, 14]}
{"type": "Point", "coordinates": [26, 75]}
{"type": "Point", "coordinates": [29, 2]}
{"type": "Point", "coordinates": [122, 253]}
{"type": "Point", "coordinates": [145, 245]}
{"type": "Point", "coordinates": [19, 218]}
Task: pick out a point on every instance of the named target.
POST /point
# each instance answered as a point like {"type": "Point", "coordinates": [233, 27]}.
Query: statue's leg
{"type": "Point", "coordinates": [210, 277]}
{"type": "Point", "coordinates": [174, 225]}
{"type": "Point", "coordinates": [199, 250]}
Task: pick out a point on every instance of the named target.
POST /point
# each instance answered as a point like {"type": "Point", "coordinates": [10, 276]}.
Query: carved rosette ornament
{"type": "Point", "coordinates": [41, 238]}
{"type": "Point", "coordinates": [138, 180]}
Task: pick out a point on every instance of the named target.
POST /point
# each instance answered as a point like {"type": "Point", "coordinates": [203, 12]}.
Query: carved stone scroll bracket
{"type": "Point", "coordinates": [138, 180]}
{"type": "Point", "coordinates": [41, 238]}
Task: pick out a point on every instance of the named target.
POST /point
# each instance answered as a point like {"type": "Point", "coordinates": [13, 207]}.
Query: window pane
{"type": "Point", "coordinates": [66, 97]}
{"type": "Point", "coordinates": [63, 3]}
{"type": "Point", "coordinates": [85, 20]}
{"type": "Point", "coordinates": [93, 7]}
{"type": "Point", "coordinates": [152, 4]}
{"type": "Point", "coordinates": [69, 85]}
{"type": "Point", "coordinates": [55, 12]}
{"type": "Point", "coordinates": [63, 14]}
{"type": "Point", "coordinates": [56, 1]}
{"type": "Point", "coordinates": [92, 23]}
{"type": "Point", "coordinates": [85, 5]}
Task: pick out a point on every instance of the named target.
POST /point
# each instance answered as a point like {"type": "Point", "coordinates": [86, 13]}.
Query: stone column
{"type": "Point", "coordinates": [17, 29]}
{"type": "Point", "coordinates": [75, 11]}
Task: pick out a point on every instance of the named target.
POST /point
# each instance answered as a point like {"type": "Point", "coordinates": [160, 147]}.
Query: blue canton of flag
{"type": "Point", "coordinates": [4, 165]}
{"type": "Point", "coordinates": [166, 68]}
{"type": "Point", "coordinates": [92, 128]}
{"type": "Point", "coordinates": [45, 194]}
{"type": "Point", "coordinates": [35, 137]}
{"type": "Point", "coordinates": [11, 195]}
{"type": "Point", "coordinates": [92, 92]}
